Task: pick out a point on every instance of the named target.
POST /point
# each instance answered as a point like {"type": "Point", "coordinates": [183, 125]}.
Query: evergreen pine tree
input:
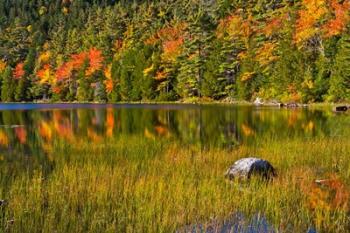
{"type": "Point", "coordinates": [339, 89]}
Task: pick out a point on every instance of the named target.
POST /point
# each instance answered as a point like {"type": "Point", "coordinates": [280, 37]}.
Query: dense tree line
{"type": "Point", "coordinates": [105, 50]}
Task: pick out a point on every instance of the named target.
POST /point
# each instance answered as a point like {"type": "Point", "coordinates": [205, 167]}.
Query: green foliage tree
{"type": "Point", "coordinates": [7, 88]}
{"type": "Point", "coordinates": [22, 91]}
{"type": "Point", "coordinates": [196, 50]}
{"type": "Point", "coordinates": [339, 89]}
{"type": "Point", "coordinates": [84, 90]}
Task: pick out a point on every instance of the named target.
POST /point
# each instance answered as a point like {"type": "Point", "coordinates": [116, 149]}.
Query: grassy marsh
{"type": "Point", "coordinates": [135, 184]}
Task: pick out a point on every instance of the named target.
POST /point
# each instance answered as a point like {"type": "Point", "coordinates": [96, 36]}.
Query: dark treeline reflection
{"type": "Point", "coordinates": [34, 132]}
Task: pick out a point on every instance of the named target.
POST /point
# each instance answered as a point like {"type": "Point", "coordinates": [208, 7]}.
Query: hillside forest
{"type": "Point", "coordinates": [112, 51]}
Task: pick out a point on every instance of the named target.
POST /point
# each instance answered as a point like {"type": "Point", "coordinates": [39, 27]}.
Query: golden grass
{"type": "Point", "coordinates": [142, 185]}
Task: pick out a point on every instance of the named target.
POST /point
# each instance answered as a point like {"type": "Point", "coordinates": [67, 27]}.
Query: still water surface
{"type": "Point", "coordinates": [31, 129]}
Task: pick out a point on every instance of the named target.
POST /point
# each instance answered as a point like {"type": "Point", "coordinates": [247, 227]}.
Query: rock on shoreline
{"type": "Point", "coordinates": [274, 103]}
{"type": "Point", "coordinates": [342, 108]}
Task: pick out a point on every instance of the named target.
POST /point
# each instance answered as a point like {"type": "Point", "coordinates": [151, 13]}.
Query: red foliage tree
{"type": "Point", "coordinates": [19, 71]}
{"type": "Point", "coordinates": [57, 89]}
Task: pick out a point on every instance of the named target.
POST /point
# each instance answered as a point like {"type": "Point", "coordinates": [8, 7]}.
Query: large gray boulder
{"type": "Point", "coordinates": [246, 167]}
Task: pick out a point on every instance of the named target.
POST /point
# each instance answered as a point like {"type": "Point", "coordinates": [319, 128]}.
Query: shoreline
{"type": "Point", "coordinates": [238, 103]}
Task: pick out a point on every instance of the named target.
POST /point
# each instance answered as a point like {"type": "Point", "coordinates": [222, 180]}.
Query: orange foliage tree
{"type": "Point", "coordinates": [45, 74]}
{"type": "Point", "coordinates": [89, 62]}
{"type": "Point", "coordinates": [273, 25]}
{"type": "Point", "coordinates": [236, 27]}
{"type": "Point", "coordinates": [172, 49]}
{"type": "Point", "coordinates": [78, 60]}
{"type": "Point", "coordinates": [64, 71]}
{"type": "Point", "coordinates": [167, 34]}
{"type": "Point", "coordinates": [95, 61]}
{"type": "Point", "coordinates": [109, 81]}
{"type": "Point", "coordinates": [338, 24]}
{"type": "Point", "coordinates": [171, 39]}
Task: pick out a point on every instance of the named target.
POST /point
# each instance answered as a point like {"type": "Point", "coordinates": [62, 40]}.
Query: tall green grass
{"type": "Point", "coordinates": [132, 184]}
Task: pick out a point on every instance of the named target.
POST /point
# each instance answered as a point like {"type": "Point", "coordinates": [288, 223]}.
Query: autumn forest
{"type": "Point", "coordinates": [111, 51]}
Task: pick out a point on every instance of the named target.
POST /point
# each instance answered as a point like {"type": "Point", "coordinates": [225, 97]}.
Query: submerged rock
{"type": "Point", "coordinates": [293, 105]}
{"type": "Point", "coordinates": [12, 126]}
{"type": "Point", "coordinates": [2, 202]}
{"type": "Point", "coordinates": [246, 167]}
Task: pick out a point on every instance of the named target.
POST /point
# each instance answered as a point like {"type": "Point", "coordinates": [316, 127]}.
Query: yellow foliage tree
{"type": "Point", "coordinates": [308, 17]}
{"type": "Point", "coordinates": [2, 65]}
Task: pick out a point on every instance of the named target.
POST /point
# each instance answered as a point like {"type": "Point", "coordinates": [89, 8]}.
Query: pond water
{"type": "Point", "coordinates": [29, 129]}
{"type": "Point", "coordinates": [28, 132]}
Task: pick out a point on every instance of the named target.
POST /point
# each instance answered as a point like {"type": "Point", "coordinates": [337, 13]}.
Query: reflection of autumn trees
{"type": "Point", "coordinates": [30, 139]}
{"type": "Point", "coordinates": [327, 194]}
{"type": "Point", "coordinates": [204, 126]}
{"type": "Point", "coordinates": [4, 140]}
{"type": "Point", "coordinates": [110, 121]}
{"type": "Point", "coordinates": [21, 134]}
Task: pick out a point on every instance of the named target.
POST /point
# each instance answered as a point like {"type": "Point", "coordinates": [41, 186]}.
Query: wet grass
{"type": "Point", "coordinates": [132, 184]}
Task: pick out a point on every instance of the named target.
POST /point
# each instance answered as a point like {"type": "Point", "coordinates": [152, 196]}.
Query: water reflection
{"type": "Point", "coordinates": [33, 129]}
